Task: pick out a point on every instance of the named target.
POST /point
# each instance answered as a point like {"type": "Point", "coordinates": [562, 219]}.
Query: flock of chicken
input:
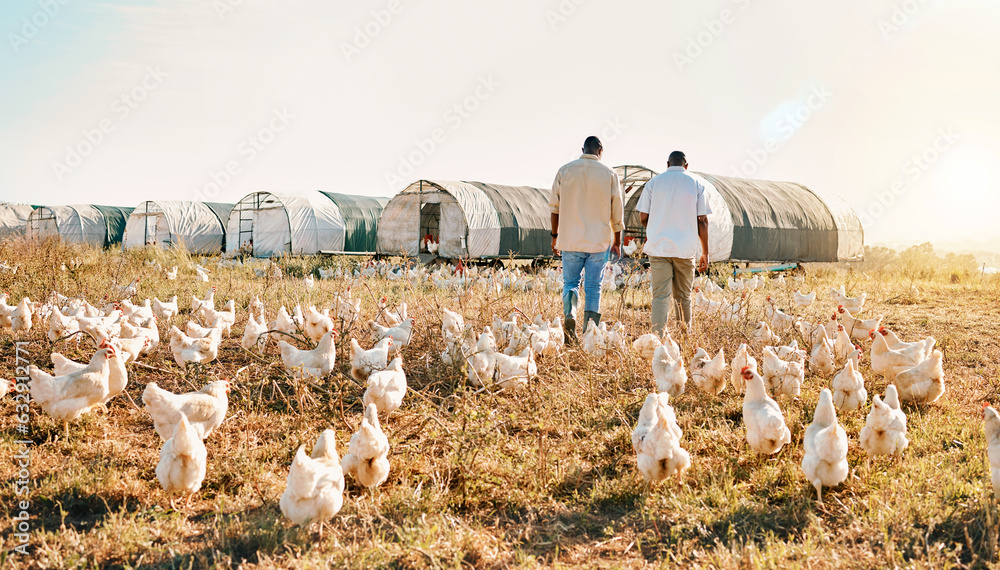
{"type": "Point", "coordinates": [913, 371]}
{"type": "Point", "coordinates": [501, 356]}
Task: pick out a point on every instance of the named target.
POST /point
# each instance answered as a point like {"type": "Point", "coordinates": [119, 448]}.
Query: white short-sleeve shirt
{"type": "Point", "coordinates": [673, 200]}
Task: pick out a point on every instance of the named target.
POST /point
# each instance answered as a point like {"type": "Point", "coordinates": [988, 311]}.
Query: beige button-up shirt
{"type": "Point", "coordinates": [588, 198]}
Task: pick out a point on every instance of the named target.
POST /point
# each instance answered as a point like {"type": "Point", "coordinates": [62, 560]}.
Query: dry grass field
{"type": "Point", "coordinates": [544, 476]}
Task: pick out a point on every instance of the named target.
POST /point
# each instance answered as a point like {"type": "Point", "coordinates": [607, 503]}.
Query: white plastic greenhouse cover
{"type": "Point", "coordinates": [79, 223]}
{"type": "Point", "coordinates": [300, 224]}
{"type": "Point", "coordinates": [476, 219]}
{"type": "Point", "coordinates": [13, 218]}
{"type": "Point", "coordinates": [720, 224]}
{"type": "Point", "coordinates": [165, 223]}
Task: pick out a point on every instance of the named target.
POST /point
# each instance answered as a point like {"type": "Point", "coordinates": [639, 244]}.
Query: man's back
{"type": "Point", "coordinates": [673, 200]}
{"type": "Point", "coordinates": [587, 196]}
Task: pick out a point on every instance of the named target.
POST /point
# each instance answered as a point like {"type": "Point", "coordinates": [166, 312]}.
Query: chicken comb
{"type": "Point", "coordinates": [744, 369]}
{"type": "Point", "coordinates": [986, 404]}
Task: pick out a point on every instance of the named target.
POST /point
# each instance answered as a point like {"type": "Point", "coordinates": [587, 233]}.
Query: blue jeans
{"type": "Point", "coordinates": [592, 266]}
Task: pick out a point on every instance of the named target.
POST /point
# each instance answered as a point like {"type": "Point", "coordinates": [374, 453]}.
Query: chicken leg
{"type": "Point", "coordinates": [819, 490]}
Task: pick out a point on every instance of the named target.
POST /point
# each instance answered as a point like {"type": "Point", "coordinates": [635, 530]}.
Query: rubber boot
{"type": "Point", "coordinates": [569, 330]}
{"type": "Point", "coordinates": [570, 311]}
{"type": "Point", "coordinates": [590, 316]}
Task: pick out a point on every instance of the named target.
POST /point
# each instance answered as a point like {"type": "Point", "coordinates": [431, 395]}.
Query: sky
{"type": "Point", "coordinates": [891, 105]}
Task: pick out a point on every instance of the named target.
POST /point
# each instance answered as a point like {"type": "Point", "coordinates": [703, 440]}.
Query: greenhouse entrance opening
{"type": "Point", "coordinates": [430, 224]}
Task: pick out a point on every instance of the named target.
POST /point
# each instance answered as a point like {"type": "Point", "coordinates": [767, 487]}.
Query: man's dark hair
{"type": "Point", "coordinates": [676, 158]}
{"type": "Point", "coordinates": [592, 145]}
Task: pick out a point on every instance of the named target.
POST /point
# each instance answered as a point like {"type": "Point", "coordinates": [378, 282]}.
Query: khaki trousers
{"type": "Point", "coordinates": [670, 276]}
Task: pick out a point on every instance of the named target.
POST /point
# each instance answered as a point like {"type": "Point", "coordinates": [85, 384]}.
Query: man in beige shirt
{"type": "Point", "coordinates": [587, 199]}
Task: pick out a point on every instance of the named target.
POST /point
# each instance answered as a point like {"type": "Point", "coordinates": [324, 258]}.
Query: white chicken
{"type": "Point", "coordinates": [65, 398]}
{"type": "Point", "coordinates": [183, 460]}
{"type": "Point", "coordinates": [202, 273]}
{"type": "Point", "coordinates": [61, 326]}
{"type": "Point", "coordinates": [5, 311]}
{"type": "Point", "coordinates": [595, 340]}
{"type": "Point", "coordinates": [392, 319]}
{"type": "Point", "coordinates": [889, 362]}
{"type": "Point", "coordinates": [208, 302]}
{"type": "Point", "coordinates": [811, 332]}
{"type": "Point", "coordinates": [252, 333]}
{"type": "Point", "coordinates": [317, 362]}
{"type": "Point", "coordinates": [763, 335]}
{"type": "Point", "coordinates": [482, 361]}
{"type": "Point", "coordinates": [766, 430]}
{"type": "Point", "coordinates": [194, 350]}
{"type": "Point", "coordinates": [656, 441]}
{"type": "Point", "coordinates": [317, 324]}
{"type": "Point", "coordinates": [367, 457]}
{"type": "Point", "coordinates": [885, 427]}
{"type": "Point", "coordinates": [117, 373]}
{"type": "Point", "coordinates": [924, 383]}
{"type": "Point", "coordinates": [783, 377]}
{"type": "Point", "coordinates": [515, 371]}
{"type": "Point", "coordinates": [315, 488]}
{"type": "Point", "coordinates": [20, 319]}
{"type": "Point", "coordinates": [858, 328]}
{"type": "Point", "coordinates": [849, 392]}
{"type": "Point", "coordinates": [366, 362]}
{"type": "Point", "coordinates": [347, 309]}
{"type": "Point", "coordinates": [709, 375]}
{"type": "Point", "coordinates": [172, 274]}
{"type": "Point", "coordinates": [842, 345]}
{"type": "Point", "coordinates": [991, 424]}
{"type": "Point", "coordinates": [205, 409]}
{"type": "Point", "coordinates": [165, 310]}
{"type": "Point", "coordinates": [803, 300]}
{"type": "Point", "coordinates": [741, 359]}
{"type": "Point", "coordinates": [669, 373]}
{"type": "Point", "coordinates": [386, 388]}
{"type": "Point", "coordinates": [646, 344]}
{"type": "Point", "coordinates": [224, 319]}
{"type": "Point", "coordinates": [779, 320]}
{"type": "Point", "coordinates": [825, 441]}
{"type": "Point", "coordinates": [282, 322]}
{"type": "Point", "coordinates": [893, 341]}
{"type": "Point", "coordinates": [194, 330]}
{"type": "Point", "coordinates": [452, 322]}
{"type": "Point", "coordinates": [615, 337]}
{"type": "Point", "coordinates": [821, 359]}
{"type": "Point", "coordinates": [852, 304]}
{"type": "Point", "coordinates": [400, 334]}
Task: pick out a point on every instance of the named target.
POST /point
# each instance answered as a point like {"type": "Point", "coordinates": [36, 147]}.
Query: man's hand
{"type": "Point", "coordinates": [703, 262]}
{"type": "Point", "coordinates": [555, 251]}
{"type": "Point", "coordinates": [616, 250]}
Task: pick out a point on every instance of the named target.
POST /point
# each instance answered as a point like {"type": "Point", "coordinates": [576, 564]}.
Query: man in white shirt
{"type": "Point", "coordinates": [674, 210]}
